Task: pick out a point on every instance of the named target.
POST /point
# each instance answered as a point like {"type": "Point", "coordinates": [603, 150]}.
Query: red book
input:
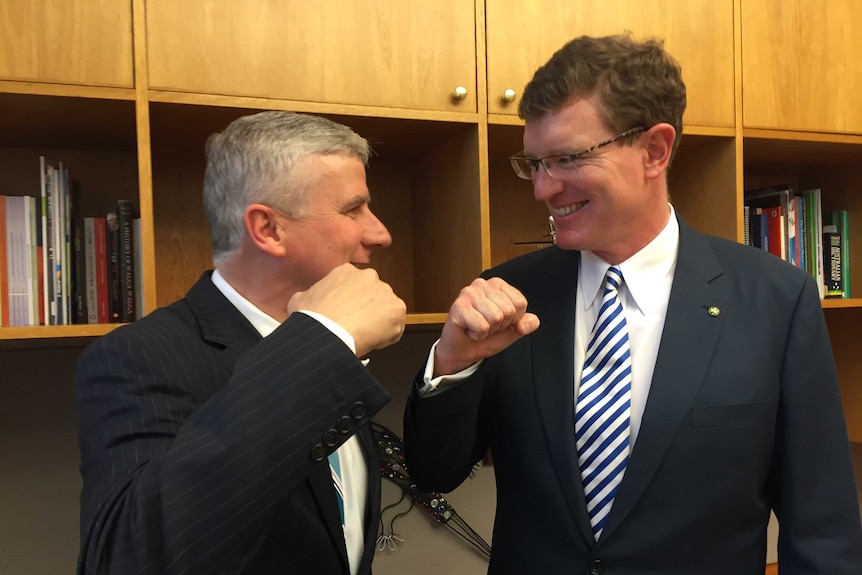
{"type": "Point", "coordinates": [776, 231]}
{"type": "Point", "coordinates": [101, 269]}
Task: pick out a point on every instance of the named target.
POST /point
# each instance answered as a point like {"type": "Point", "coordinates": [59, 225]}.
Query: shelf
{"type": "Point", "coordinates": [37, 332]}
{"type": "Point", "coordinates": [763, 149]}
{"type": "Point", "coordinates": [853, 302]}
{"type": "Point", "coordinates": [66, 90]}
{"type": "Point", "coordinates": [61, 121]}
{"type": "Point", "coordinates": [326, 109]}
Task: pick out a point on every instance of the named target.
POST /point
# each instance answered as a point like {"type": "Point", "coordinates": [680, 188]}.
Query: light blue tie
{"type": "Point", "coordinates": [335, 471]}
{"type": "Point", "coordinates": [603, 407]}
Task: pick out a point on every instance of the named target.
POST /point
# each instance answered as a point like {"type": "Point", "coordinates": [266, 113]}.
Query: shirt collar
{"type": "Point", "coordinates": [263, 323]}
{"type": "Point", "coordinates": [641, 272]}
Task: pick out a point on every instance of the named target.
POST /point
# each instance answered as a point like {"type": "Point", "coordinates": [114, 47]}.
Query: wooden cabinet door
{"type": "Point", "coordinates": [524, 34]}
{"type": "Point", "coordinates": [386, 53]}
{"type": "Point", "coordinates": [67, 41]}
{"type": "Point", "coordinates": [800, 65]}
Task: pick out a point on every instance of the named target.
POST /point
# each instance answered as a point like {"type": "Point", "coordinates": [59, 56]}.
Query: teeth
{"type": "Point", "coordinates": [566, 210]}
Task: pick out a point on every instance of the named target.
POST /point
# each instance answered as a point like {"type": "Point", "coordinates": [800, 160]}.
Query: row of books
{"type": "Point", "coordinates": [794, 227]}
{"type": "Point", "coordinates": [58, 267]}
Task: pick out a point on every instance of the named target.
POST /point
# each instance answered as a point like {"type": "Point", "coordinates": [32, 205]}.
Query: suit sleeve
{"type": "Point", "coordinates": [444, 433]}
{"type": "Point", "coordinates": [814, 495]}
{"type": "Point", "coordinates": [181, 480]}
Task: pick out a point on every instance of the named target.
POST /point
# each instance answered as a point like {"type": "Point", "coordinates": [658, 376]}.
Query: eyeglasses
{"type": "Point", "coordinates": [559, 166]}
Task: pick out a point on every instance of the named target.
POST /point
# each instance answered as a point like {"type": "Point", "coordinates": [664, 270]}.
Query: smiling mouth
{"type": "Point", "coordinates": [566, 210]}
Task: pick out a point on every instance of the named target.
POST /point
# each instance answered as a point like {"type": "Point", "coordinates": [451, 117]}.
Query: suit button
{"type": "Point", "coordinates": [344, 425]}
{"type": "Point", "coordinates": [357, 410]}
{"type": "Point", "coordinates": [318, 452]}
{"type": "Point", "coordinates": [330, 437]}
{"type": "Point", "coordinates": [596, 568]}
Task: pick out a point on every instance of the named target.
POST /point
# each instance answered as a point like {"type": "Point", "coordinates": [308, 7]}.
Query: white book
{"type": "Point", "coordinates": [46, 244]}
{"type": "Point", "coordinates": [17, 260]}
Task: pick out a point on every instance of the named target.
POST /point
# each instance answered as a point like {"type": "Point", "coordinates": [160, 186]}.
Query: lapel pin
{"type": "Point", "coordinates": [713, 311]}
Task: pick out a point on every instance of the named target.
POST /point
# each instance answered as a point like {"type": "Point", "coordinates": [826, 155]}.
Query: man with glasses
{"type": "Point", "coordinates": [666, 390]}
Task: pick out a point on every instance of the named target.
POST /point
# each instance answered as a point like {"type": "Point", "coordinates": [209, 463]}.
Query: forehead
{"type": "Point", "coordinates": [574, 126]}
{"type": "Point", "coordinates": [335, 176]}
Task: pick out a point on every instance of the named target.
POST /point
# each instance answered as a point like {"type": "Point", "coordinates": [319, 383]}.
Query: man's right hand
{"type": "Point", "coordinates": [357, 300]}
{"type": "Point", "coordinates": [488, 316]}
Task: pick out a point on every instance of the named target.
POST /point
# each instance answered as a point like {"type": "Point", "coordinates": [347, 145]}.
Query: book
{"type": "Point", "coordinates": [139, 268]}
{"type": "Point", "coordinates": [125, 259]}
{"type": "Point", "coordinates": [100, 241]}
{"type": "Point", "coordinates": [832, 263]}
{"type": "Point", "coordinates": [840, 219]}
{"type": "Point", "coordinates": [4, 268]}
{"type": "Point", "coordinates": [766, 199]}
{"type": "Point", "coordinates": [90, 289]}
{"type": "Point", "coordinates": [112, 235]}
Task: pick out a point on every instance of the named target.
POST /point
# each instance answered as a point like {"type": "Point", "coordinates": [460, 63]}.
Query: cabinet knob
{"type": "Point", "coordinates": [460, 93]}
{"type": "Point", "coordinates": [509, 96]}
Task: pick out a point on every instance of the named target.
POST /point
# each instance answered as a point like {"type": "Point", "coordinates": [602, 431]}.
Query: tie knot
{"type": "Point", "coordinates": [613, 279]}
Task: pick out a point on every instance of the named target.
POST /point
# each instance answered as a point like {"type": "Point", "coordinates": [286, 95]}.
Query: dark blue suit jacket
{"type": "Point", "coordinates": [743, 416]}
{"type": "Point", "coordinates": [203, 446]}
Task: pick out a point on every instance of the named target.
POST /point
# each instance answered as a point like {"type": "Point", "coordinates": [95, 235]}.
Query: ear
{"type": "Point", "coordinates": [264, 230]}
{"type": "Point", "coordinates": [659, 144]}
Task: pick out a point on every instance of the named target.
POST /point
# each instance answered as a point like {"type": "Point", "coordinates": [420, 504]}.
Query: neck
{"type": "Point", "coordinates": [261, 283]}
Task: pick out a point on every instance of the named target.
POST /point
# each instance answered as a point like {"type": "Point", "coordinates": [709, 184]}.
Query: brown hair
{"type": "Point", "coordinates": [637, 83]}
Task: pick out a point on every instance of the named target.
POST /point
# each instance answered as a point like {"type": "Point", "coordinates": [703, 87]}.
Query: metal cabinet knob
{"type": "Point", "coordinates": [460, 93]}
{"type": "Point", "coordinates": [509, 96]}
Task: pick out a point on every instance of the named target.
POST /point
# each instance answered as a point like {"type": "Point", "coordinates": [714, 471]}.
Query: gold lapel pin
{"type": "Point", "coordinates": [713, 311]}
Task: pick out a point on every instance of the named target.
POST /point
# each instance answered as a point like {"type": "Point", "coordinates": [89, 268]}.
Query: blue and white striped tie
{"type": "Point", "coordinates": [603, 407]}
{"type": "Point", "coordinates": [335, 471]}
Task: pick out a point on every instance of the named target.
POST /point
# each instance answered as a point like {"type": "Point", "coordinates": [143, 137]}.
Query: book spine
{"type": "Point", "coordinates": [4, 266]}
{"type": "Point", "coordinates": [125, 257]}
{"type": "Point", "coordinates": [90, 270]}
{"type": "Point", "coordinates": [100, 239]}
{"type": "Point", "coordinates": [833, 277]}
{"type": "Point", "coordinates": [112, 228]}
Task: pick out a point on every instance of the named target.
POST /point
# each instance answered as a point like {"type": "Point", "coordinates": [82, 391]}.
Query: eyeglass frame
{"type": "Point", "coordinates": [536, 162]}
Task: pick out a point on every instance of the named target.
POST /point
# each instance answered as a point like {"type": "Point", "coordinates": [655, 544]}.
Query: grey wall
{"type": "Point", "coordinates": [40, 484]}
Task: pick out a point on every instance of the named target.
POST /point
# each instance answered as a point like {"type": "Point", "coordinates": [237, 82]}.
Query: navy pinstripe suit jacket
{"type": "Point", "coordinates": [743, 416]}
{"type": "Point", "coordinates": [203, 446]}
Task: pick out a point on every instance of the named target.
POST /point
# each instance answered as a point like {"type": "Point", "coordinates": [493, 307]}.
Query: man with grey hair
{"type": "Point", "coordinates": [229, 432]}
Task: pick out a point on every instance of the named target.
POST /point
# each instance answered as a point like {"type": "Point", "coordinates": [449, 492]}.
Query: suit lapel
{"type": "Point", "coordinates": [372, 507]}
{"type": "Point", "coordinates": [553, 360]}
{"type": "Point", "coordinates": [688, 341]}
{"type": "Point", "coordinates": [224, 327]}
{"type": "Point", "coordinates": [220, 322]}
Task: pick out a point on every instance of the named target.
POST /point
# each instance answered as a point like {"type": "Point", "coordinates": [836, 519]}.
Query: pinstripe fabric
{"type": "Point", "coordinates": [196, 440]}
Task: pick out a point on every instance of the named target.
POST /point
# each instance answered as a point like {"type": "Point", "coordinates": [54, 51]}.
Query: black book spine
{"type": "Point", "coordinates": [126, 261]}
{"type": "Point", "coordinates": [112, 237]}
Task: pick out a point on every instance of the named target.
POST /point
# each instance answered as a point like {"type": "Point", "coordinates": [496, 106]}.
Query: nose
{"type": "Point", "coordinates": [544, 186]}
{"type": "Point", "coordinates": [376, 235]}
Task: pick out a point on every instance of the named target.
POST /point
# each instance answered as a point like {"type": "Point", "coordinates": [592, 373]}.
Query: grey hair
{"type": "Point", "coordinates": [257, 159]}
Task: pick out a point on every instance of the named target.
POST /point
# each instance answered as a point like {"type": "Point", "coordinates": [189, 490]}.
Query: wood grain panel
{"type": "Point", "coordinates": [370, 52]}
{"type": "Point", "coordinates": [800, 65]}
{"type": "Point", "coordinates": [67, 41]}
{"type": "Point", "coordinates": [523, 34]}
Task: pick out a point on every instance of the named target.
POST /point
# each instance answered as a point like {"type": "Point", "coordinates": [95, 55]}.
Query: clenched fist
{"type": "Point", "coordinates": [487, 317]}
{"type": "Point", "coordinates": [357, 300]}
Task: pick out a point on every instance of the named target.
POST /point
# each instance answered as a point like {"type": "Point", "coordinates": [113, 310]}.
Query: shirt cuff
{"type": "Point", "coordinates": [433, 385]}
{"type": "Point", "coordinates": [336, 329]}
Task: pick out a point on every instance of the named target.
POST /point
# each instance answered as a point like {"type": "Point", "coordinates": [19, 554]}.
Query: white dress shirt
{"type": "Point", "coordinates": [647, 279]}
{"type": "Point", "coordinates": [354, 468]}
